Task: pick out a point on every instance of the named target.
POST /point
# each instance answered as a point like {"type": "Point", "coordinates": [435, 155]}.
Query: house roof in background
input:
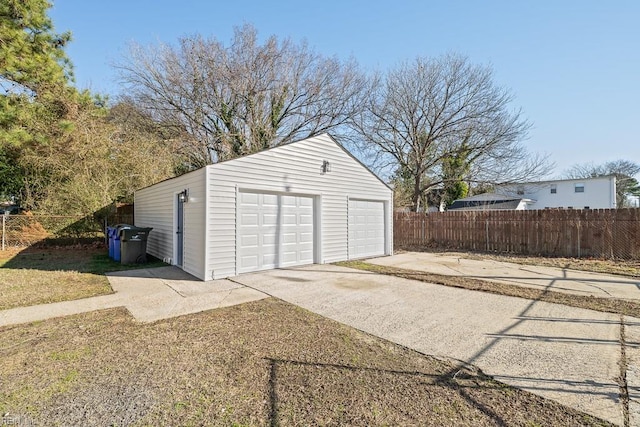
{"type": "Point", "coordinates": [486, 201]}
{"type": "Point", "coordinates": [555, 181]}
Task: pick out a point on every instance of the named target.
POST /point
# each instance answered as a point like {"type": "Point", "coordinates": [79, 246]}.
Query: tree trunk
{"type": "Point", "coordinates": [415, 199]}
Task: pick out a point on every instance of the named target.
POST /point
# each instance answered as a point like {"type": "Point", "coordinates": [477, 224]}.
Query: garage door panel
{"type": "Point", "coordinates": [290, 219]}
{"type": "Point", "coordinates": [269, 219]}
{"type": "Point", "coordinates": [249, 261]}
{"type": "Point", "coordinates": [366, 228]}
{"type": "Point", "coordinates": [249, 198]}
{"type": "Point", "coordinates": [268, 261]}
{"type": "Point", "coordinates": [289, 201]}
{"type": "Point", "coordinates": [269, 239]}
{"type": "Point", "coordinates": [283, 230]}
{"type": "Point", "coordinates": [289, 238]}
{"type": "Point", "coordinates": [306, 219]}
{"type": "Point", "coordinates": [249, 219]}
{"type": "Point", "coordinates": [249, 240]}
{"type": "Point", "coordinates": [268, 200]}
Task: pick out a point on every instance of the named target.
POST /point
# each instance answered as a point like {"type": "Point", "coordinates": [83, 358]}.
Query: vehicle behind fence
{"type": "Point", "coordinates": [597, 233]}
{"type": "Point", "coordinates": [19, 231]}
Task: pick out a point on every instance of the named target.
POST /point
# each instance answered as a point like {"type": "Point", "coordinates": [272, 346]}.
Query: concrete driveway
{"type": "Point", "coordinates": [567, 354]}
{"type": "Point", "coordinates": [555, 279]}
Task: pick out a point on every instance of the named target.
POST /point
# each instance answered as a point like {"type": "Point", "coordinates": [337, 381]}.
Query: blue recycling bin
{"type": "Point", "coordinates": [116, 240]}
{"type": "Point", "coordinates": [110, 235]}
{"type": "Point", "coordinates": [116, 248]}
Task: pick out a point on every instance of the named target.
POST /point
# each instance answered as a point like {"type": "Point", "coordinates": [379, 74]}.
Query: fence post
{"type": "Point", "coordinates": [486, 226]}
{"type": "Point", "coordinates": [4, 228]}
{"type": "Point", "coordinates": [579, 225]}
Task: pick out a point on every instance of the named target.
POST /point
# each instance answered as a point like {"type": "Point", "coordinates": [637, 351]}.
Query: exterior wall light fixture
{"type": "Point", "coordinates": [326, 166]}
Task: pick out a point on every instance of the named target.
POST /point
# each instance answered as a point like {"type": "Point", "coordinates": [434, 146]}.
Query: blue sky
{"type": "Point", "coordinates": [573, 66]}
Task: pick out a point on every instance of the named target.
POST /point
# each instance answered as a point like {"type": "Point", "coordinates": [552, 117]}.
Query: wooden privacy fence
{"type": "Point", "coordinates": [599, 233]}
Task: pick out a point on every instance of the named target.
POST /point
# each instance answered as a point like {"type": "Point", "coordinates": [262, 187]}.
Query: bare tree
{"type": "Point", "coordinates": [246, 96]}
{"type": "Point", "coordinates": [625, 172]}
{"type": "Point", "coordinates": [436, 122]}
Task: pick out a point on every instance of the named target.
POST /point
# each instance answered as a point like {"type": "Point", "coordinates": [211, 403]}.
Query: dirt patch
{"type": "Point", "coordinates": [261, 363]}
{"type": "Point", "coordinates": [608, 305]}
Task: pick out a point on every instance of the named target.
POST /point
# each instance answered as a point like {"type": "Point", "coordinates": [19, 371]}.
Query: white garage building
{"type": "Point", "coordinates": [306, 202]}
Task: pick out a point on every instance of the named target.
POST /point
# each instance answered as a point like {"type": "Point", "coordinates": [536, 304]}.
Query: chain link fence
{"type": "Point", "coordinates": [19, 231]}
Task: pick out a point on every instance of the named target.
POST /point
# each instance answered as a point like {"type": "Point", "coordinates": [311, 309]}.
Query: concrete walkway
{"type": "Point", "coordinates": [148, 294]}
{"type": "Point", "coordinates": [567, 354]}
{"type": "Point", "coordinates": [555, 279]}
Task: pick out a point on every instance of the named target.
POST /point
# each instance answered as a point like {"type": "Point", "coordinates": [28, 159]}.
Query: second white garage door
{"type": "Point", "coordinates": [366, 228]}
{"type": "Point", "coordinates": [274, 230]}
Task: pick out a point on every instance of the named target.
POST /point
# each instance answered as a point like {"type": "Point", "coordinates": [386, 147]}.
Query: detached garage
{"type": "Point", "coordinates": [302, 203]}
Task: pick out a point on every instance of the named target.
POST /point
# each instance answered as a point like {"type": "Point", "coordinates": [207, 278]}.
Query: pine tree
{"type": "Point", "coordinates": [36, 99]}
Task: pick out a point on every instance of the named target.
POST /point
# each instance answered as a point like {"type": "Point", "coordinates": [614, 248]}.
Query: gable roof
{"type": "Point", "coordinates": [271, 149]}
{"type": "Point", "coordinates": [356, 159]}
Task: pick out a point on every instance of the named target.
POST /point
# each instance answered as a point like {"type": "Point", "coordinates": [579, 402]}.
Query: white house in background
{"type": "Point", "coordinates": [305, 202]}
{"type": "Point", "coordinates": [587, 193]}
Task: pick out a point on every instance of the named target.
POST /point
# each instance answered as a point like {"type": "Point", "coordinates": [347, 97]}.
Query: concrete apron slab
{"type": "Point", "coordinates": [556, 279]}
{"type": "Point", "coordinates": [632, 356]}
{"type": "Point", "coordinates": [566, 354]}
{"type": "Point", "coordinates": [175, 293]}
{"type": "Point", "coordinates": [148, 294]}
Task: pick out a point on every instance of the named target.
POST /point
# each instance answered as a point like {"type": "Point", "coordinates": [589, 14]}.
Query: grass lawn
{"type": "Point", "coordinates": [260, 363]}
{"type": "Point", "coordinates": [39, 276]}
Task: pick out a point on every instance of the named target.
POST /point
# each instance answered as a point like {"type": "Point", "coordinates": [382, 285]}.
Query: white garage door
{"type": "Point", "coordinates": [274, 231]}
{"type": "Point", "coordinates": [366, 228]}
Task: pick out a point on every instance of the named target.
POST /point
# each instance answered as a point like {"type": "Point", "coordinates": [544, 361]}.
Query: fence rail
{"type": "Point", "coordinates": [598, 233]}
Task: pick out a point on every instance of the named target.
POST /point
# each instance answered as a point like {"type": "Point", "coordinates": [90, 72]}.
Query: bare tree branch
{"type": "Point", "coordinates": [425, 112]}
{"type": "Point", "coordinates": [246, 96]}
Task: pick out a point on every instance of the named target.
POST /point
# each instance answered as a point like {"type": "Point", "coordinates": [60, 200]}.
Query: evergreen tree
{"type": "Point", "coordinates": [36, 101]}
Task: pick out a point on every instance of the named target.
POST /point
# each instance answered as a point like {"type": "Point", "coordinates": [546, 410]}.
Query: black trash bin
{"type": "Point", "coordinates": [133, 244]}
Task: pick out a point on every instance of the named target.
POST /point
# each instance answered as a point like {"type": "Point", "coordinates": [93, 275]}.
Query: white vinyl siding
{"type": "Point", "coordinates": [366, 228]}
{"type": "Point", "coordinates": [297, 169]}
{"type": "Point", "coordinates": [155, 206]}
{"type": "Point", "coordinates": [596, 193]}
{"type": "Point", "coordinates": [292, 171]}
